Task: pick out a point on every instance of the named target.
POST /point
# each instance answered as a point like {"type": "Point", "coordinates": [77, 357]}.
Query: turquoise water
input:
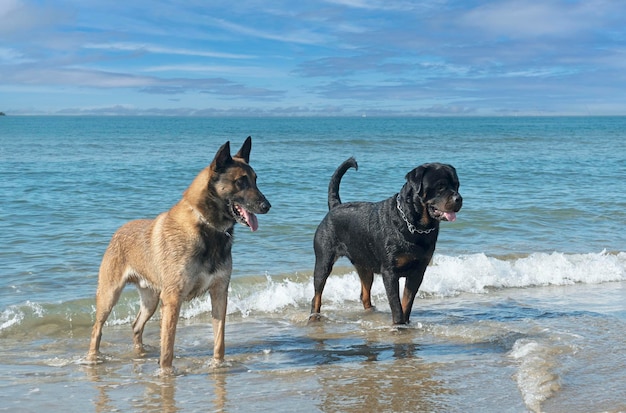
{"type": "Point", "coordinates": [544, 208]}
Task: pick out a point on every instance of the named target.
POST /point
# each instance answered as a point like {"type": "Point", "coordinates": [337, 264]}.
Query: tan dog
{"type": "Point", "coordinates": [182, 253]}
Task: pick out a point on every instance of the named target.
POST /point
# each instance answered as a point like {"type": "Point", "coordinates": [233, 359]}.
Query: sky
{"type": "Point", "coordinates": [313, 58]}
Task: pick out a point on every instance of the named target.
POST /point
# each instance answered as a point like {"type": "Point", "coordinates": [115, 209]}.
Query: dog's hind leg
{"type": "Point", "coordinates": [367, 279]}
{"type": "Point", "coordinates": [149, 300]}
{"type": "Point", "coordinates": [107, 295]}
{"type": "Point", "coordinates": [323, 267]}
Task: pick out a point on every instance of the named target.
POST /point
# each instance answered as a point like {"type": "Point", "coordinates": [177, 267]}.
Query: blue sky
{"type": "Point", "coordinates": [309, 58]}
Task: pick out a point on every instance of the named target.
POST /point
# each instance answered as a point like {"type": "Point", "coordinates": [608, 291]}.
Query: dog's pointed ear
{"type": "Point", "coordinates": [244, 152]}
{"type": "Point", "coordinates": [222, 157]}
{"type": "Point", "coordinates": [415, 178]}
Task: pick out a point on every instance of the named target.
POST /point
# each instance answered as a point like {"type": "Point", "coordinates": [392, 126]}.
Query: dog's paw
{"type": "Point", "coordinates": [215, 363]}
{"type": "Point", "coordinates": [226, 366]}
{"type": "Point", "coordinates": [144, 349]}
{"type": "Point", "coordinates": [314, 318]}
{"type": "Point", "coordinates": [93, 359]}
{"type": "Point", "coordinates": [167, 372]}
{"type": "Point", "coordinates": [397, 328]}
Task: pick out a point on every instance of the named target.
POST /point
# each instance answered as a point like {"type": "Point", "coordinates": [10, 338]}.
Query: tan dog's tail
{"type": "Point", "coordinates": [335, 180]}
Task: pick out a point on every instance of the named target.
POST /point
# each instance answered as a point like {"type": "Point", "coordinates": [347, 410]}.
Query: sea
{"type": "Point", "coordinates": [523, 308]}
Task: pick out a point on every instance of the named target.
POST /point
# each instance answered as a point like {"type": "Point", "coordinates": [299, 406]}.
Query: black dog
{"type": "Point", "coordinates": [395, 237]}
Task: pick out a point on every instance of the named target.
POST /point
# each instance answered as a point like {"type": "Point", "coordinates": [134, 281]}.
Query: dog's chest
{"type": "Point", "coordinates": [210, 265]}
{"type": "Point", "coordinates": [408, 258]}
{"type": "Point", "coordinates": [200, 280]}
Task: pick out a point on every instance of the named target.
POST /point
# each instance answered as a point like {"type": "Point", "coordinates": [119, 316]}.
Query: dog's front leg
{"type": "Point", "coordinates": [219, 301]}
{"type": "Point", "coordinates": [392, 288]}
{"type": "Point", "coordinates": [170, 310]}
{"type": "Point", "coordinates": [411, 287]}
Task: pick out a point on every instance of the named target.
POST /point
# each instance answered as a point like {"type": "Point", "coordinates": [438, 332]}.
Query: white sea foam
{"type": "Point", "coordinates": [477, 272]}
{"type": "Point", "coordinates": [535, 376]}
{"type": "Point", "coordinates": [15, 315]}
{"type": "Point", "coordinates": [447, 276]}
{"type": "Point", "coordinates": [10, 317]}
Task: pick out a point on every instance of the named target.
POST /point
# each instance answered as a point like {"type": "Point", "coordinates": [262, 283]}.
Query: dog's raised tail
{"type": "Point", "coordinates": [335, 180]}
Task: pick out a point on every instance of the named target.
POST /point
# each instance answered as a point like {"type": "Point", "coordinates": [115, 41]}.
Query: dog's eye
{"type": "Point", "coordinates": [242, 183]}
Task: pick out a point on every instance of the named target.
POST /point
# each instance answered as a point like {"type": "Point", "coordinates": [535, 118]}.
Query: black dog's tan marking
{"type": "Point", "coordinates": [182, 253]}
{"type": "Point", "coordinates": [395, 237]}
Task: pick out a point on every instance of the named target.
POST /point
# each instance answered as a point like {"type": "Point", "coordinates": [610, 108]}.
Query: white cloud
{"type": "Point", "coordinates": [521, 18]}
{"type": "Point", "coordinates": [301, 36]}
{"type": "Point", "coordinates": [8, 55]}
{"type": "Point", "coordinates": [79, 77]}
{"type": "Point", "coordinates": [383, 4]}
{"type": "Point", "coordinates": [148, 48]}
{"type": "Point", "coordinates": [8, 6]}
{"type": "Point", "coordinates": [18, 16]}
{"type": "Point", "coordinates": [240, 71]}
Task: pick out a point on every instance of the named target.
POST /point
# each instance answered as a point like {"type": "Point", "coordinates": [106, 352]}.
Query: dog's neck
{"type": "Point", "coordinates": [412, 228]}
{"type": "Point", "coordinates": [203, 219]}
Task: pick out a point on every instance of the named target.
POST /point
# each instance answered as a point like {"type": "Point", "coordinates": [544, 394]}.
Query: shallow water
{"type": "Point", "coordinates": [522, 309]}
{"type": "Point", "coordinates": [556, 349]}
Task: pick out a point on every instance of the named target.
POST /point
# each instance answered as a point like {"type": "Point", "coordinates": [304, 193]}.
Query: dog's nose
{"type": "Point", "coordinates": [458, 201]}
{"type": "Point", "coordinates": [264, 206]}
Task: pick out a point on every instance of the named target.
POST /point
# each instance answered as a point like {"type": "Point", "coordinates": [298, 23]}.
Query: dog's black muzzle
{"type": "Point", "coordinates": [457, 202]}
{"type": "Point", "coordinates": [264, 206]}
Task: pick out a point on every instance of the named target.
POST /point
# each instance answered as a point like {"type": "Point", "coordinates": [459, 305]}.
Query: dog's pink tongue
{"type": "Point", "coordinates": [251, 219]}
{"type": "Point", "coordinates": [450, 216]}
